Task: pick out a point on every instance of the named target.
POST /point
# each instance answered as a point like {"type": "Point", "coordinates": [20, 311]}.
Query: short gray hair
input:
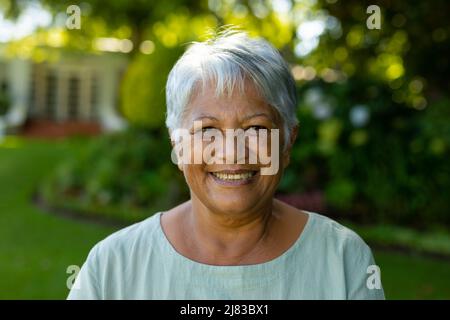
{"type": "Point", "coordinates": [228, 59]}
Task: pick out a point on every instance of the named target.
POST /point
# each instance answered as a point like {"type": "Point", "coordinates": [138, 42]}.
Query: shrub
{"type": "Point", "coordinates": [389, 167]}
{"type": "Point", "coordinates": [125, 176]}
{"type": "Point", "coordinates": [143, 88]}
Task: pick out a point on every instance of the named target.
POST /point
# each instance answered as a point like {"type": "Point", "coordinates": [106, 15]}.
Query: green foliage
{"type": "Point", "coordinates": [143, 87]}
{"type": "Point", "coordinates": [340, 193]}
{"type": "Point", "coordinates": [126, 176]}
{"type": "Point", "coordinates": [434, 242]}
{"type": "Point", "coordinates": [393, 168]}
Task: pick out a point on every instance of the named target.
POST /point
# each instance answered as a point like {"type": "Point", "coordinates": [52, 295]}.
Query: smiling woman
{"type": "Point", "coordinates": [232, 239]}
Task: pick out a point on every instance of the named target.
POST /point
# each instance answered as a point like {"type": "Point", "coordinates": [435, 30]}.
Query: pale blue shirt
{"type": "Point", "coordinates": [327, 261]}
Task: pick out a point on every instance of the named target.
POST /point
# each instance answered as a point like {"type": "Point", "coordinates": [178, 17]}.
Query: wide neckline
{"type": "Point", "coordinates": [260, 266]}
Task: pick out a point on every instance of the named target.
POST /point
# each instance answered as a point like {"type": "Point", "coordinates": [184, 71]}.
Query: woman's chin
{"type": "Point", "coordinates": [233, 196]}
{"type": "Point", "coordinates": [234, 204]}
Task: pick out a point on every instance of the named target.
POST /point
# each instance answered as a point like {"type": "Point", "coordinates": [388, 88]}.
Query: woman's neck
{"type": "Point", "coordinates": [228, 237]}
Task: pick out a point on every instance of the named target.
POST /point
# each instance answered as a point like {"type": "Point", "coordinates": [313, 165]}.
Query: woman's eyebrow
{"type": "Point", "coordinates": [203, 116]}
{"type": "Point", "coordinates": [256, 115]}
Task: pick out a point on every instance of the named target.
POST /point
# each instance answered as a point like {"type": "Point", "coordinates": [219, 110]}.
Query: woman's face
{"type": "Point", "coordinates": [232, 188]}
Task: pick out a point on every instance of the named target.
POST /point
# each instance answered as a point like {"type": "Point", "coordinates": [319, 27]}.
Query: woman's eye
{"type": "Point", "coordinates": [257, 128]}
{"type": "Point", "coordinates": [205, 129]}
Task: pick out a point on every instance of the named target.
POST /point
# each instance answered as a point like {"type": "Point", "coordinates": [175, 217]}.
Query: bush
{"type": "Point", "coordinates": [377, 162]}
{"type": "Point", "coordinates": [143, 88]}
{"type": "Point", "coordinates": [126, 176]}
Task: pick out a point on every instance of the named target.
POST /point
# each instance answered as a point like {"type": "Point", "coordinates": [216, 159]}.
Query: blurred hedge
{"type": "Point", "coordinates": [143, 100]}
{"type": "Point", "coordinates": [376, 161]}
{"type": "Point", "coordinates": [123, 176]}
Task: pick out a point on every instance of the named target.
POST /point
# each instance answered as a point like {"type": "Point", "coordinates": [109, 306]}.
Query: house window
{"type": "Point", "coordinates": [59, 92]}
{"type": "Point", "coordinates": [4, 94]}
{"type": "Point", "coordinates": [50, 95]}
{"type": "Point", "coordinates": [3, 82]}
{"type": "Point", "coordinates": [93, 115]}
{"type": "Point", "coordinates": [3, 86]}
{"type": "Point", "coordinates": [73, 98]}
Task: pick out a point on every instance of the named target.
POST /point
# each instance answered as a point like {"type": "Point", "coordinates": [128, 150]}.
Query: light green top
{"type": "Point", "coordinates": [327, 261]}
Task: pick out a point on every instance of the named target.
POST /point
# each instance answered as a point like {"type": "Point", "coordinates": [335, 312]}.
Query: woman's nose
{"type": "Point", "coordinates": [235, 147]}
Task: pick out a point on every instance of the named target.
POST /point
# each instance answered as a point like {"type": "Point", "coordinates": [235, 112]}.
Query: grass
{"type": "Point", "coordinates": [36, 247]}
{"type": "Point", "coordinates": [413, 277]}
{"type": "Point", "coordinates": [431, 242]}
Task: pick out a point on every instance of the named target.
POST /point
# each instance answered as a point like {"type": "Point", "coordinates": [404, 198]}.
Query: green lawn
{"type": "Point", "coordinates": [413, 277]}
{"type": "Point", "coordinates": [36, 247]}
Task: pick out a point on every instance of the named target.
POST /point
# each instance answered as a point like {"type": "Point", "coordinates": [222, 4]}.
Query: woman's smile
{"type": "Point", "coordinates": [234, 177]}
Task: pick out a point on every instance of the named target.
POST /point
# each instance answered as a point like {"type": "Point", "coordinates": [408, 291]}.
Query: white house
{"type": "Point", "coordinates": [77, 87]}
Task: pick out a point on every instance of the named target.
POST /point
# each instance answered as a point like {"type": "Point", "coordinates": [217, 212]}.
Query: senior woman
{"type": "Point", "coordinates": [232, 239]}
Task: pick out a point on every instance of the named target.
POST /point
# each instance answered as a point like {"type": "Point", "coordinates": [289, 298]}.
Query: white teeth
{"type": "Point", "coordinates": [237, 176]}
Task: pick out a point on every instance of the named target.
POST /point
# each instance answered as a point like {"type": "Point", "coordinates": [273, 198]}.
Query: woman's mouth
{"type": "Point", "coordinates": [231, 178]}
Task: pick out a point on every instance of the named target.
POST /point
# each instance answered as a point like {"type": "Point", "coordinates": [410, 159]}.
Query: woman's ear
{"type": "Point", "coordinates": [288, 149]}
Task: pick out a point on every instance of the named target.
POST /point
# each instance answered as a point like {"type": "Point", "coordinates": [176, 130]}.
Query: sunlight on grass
{"type": "Point", "coordinates": [10, 142]}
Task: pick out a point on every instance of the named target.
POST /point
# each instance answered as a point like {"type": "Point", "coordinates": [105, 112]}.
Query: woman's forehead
{"type": "Point", "coordinates": [239, 88]}
{"type": "Point", "coordinates": [205, 102]}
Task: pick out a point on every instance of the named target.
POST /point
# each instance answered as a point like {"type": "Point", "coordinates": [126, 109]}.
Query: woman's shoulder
{"type": "Point", "coordinates": [320, 227]}
{"type": "Point", "coordinates": [345, 250]}
{"type": "Point", "coordinates": [335, 235]}
{"type": "Point", "coordinates": [331, 226]}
